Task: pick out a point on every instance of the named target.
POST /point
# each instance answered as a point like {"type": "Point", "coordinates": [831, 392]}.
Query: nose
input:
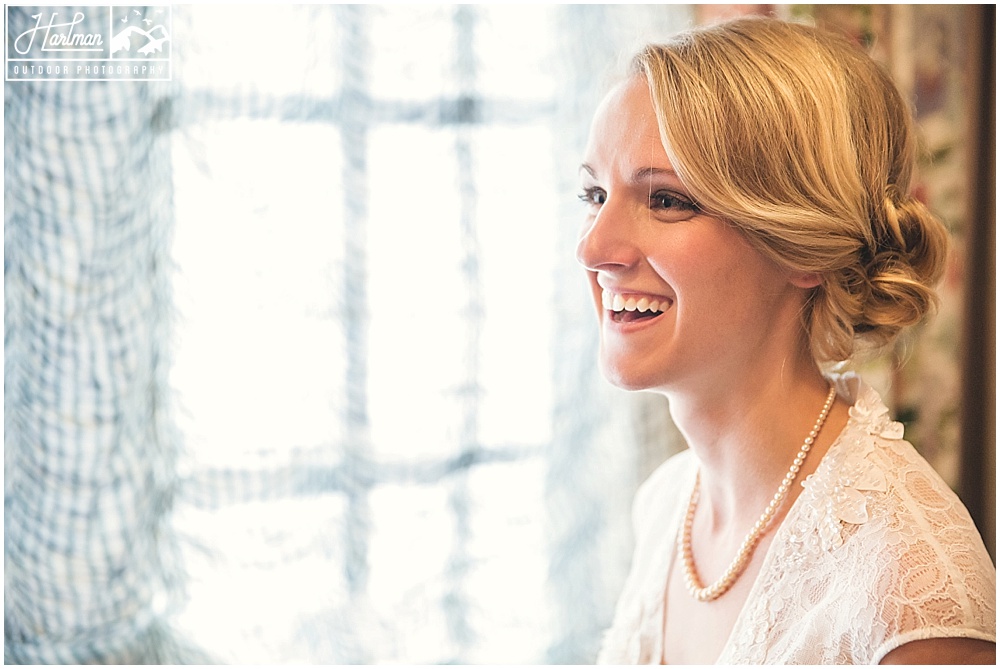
{"type": "Point", "coordinates": [606, 243]}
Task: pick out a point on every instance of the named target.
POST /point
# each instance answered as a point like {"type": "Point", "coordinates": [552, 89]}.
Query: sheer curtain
{"type": "Point", "coordinates": [383, 435]}
{"type": "Point", "coordinates": [398, 448]}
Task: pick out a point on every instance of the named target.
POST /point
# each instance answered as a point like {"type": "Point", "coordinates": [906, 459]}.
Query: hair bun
{"type": "Point", "coordinates": [908, 258]}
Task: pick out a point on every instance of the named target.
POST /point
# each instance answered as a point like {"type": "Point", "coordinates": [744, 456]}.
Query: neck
{"type": "Point", "coordinates": [747, 434]}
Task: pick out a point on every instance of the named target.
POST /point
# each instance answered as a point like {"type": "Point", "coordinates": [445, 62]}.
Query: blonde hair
{"type": "Point", "coordinates": [800, 140]}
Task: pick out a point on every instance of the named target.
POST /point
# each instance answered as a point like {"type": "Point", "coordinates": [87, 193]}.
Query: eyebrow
{"type": "Point", "coordinates": [647, 172]}
{"type": "Point", "coordinates": [640, 175]}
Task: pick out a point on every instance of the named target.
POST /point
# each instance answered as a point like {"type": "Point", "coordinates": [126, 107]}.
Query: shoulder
{"type": "Point", "coordinates": [874, 491]}
{"type": "Point", "coordinates": [655, 513]}
{"type": "Point", "coordinates": [891, 489]}
{"type": "Point", "coordinates": [874, 472]}
{"type": "Point", "coordinates": [898, 541]}
{"type": "Point", "coordinates": [661, 493]}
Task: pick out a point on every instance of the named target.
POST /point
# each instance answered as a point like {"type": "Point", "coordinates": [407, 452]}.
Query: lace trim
{"type": "Point", "coordinates": [840, 484]}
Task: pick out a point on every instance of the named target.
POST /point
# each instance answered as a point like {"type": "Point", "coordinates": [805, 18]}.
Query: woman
{"type": "Point", "coordinates": [749, 223]}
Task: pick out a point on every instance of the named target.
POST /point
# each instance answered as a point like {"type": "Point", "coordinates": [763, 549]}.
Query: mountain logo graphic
{"type": "Point", "coordinates": [132, 35]}
{"type": "Point", "coordinates": [151, 41]}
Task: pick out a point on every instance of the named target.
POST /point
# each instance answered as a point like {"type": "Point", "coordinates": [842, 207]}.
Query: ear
{"type": "Point", "coordinates": [805, 279]}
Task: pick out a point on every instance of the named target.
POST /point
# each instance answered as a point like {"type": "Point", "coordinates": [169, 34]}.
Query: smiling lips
{"type": "Point", "coordinates": [631, 308]}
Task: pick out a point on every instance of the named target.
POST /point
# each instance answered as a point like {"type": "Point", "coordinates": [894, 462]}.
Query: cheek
{"type": "Point", "coordinates": [716, 289]}
{"type": "Point", "coordinates": [696, 270]}
{"type": "Point", "coordinates": [752, 292]}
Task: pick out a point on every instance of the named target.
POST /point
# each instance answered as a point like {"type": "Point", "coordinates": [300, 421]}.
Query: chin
{"type": "Point", "coordinates": [625, 376]}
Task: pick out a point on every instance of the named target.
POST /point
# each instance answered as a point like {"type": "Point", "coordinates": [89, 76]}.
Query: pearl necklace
{"type": "Point", "coordinates": [739, 563]}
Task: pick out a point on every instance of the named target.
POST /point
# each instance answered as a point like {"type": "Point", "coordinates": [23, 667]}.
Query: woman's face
{"type": "Point", "coordinates": [681, 296]}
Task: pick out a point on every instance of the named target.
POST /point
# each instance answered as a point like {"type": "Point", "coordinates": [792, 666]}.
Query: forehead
{"type": "Point", "coordinates": [624, 131]}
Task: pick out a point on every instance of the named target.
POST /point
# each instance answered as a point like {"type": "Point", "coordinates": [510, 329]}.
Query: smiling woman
{"type": "Point", "coordinates": [752, 180]}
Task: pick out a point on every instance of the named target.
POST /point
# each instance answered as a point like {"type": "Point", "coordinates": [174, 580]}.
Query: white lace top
{"type": "Point", "coordinates": [876, 552]}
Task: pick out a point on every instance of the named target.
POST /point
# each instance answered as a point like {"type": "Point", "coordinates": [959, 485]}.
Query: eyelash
{"type": "Point", "coordinates": [589, 195]}
{"type": "Point", "coordinates": [677, 201]}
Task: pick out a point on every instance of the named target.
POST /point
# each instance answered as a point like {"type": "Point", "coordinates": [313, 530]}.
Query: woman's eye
{"type": "Point", "coordinates": [593, 196]}
{"type": "Point", "coordinates": [671, 202]}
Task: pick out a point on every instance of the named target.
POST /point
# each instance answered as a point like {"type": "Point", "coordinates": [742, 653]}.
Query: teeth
{"type": "Point", "coordinates": [614, 302]}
